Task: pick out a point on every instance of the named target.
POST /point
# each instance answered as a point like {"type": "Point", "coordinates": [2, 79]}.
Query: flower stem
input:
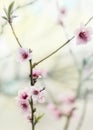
{"type": "Point", "coordinates": [88, 21]}
{"type": "Point", "coordinates": [15, 35]}
{"type": "Point", "coordinates": [31, 104]}
{"type": "Point", "coordinates": [31, 73]}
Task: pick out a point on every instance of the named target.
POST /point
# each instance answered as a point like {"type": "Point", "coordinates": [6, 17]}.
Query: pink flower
{"type": "Point", "coordinates": [55, 111]}
{"type": "Point", "coordinates": [24, 94]}
{"type": "Point", "coordinates": [24, 54]}
{"type": "Point", "coordinates": [38, 95]}
{"type": "Point", "coordinates": [24, 105]}
{"type": "Point", "coordinates": [38, 73]}
{"type": "Point", "coordinates": [83, 35]}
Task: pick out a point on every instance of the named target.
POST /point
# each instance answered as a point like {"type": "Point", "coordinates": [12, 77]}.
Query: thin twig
{"type": "Point", "coordinates": [53, 52]}
{"type": "Point", "coordinates": [88, 21]}
{"type": "Point", "coordinates": [25, 5]}
{"type": "Point", "coordinates": [15, 35]}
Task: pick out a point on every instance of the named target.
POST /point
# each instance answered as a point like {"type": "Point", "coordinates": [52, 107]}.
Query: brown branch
{"type": "Point", "coordinates": [53, 52]}
{"type": "Point", "coordinates": [32, 114]}
{"type": "Point", "coordinates": [31, 73]}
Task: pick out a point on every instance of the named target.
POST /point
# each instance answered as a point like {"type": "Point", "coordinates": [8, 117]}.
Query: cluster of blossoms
{"type": "Point", "coordinates": [26, 95]}
{"type": "Point", "coordinates": [24, 99]}
{"type": "Point", "coordinates": [83, 35]}
{"type": "Point", "coordinates": [67, 101]}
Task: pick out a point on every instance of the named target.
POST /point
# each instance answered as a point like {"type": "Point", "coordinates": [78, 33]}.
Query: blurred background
{"type": "Point", "coordinates": [71, 69]}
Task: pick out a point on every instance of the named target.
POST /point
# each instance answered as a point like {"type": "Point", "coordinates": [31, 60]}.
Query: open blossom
{"type": "Point", "coordinates": [24, 54]}
{"type": "Point", "coordinates": [24, 94]}
{"type": "Point", "coordinates": [38, 94]}
{"type": "Point", "coordinates": [24, 105]}
{"type": "Point", "coordinates": [83, 34]}
{"type": "Point", "coordinates": [55, 111]}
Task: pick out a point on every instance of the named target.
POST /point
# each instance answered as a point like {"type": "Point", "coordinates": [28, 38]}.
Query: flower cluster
{"type": "Point", "coordinates": [24, 99]}
{"type": "Point", "coordinates": [32, 94]}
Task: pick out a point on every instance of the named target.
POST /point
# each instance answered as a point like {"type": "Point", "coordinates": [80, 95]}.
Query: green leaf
{"type": "Point", "coordinates": [4, 18]}
{"type": "Point", "coordinates": [38, 118]}
{"type": "Point", "coordinates": [10, 9]}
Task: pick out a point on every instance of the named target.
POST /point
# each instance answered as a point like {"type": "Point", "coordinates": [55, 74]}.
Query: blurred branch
{"type": "Point", "coordinates": [67, 122]}
{"type": "Point", "coordinates": [83, 111]}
